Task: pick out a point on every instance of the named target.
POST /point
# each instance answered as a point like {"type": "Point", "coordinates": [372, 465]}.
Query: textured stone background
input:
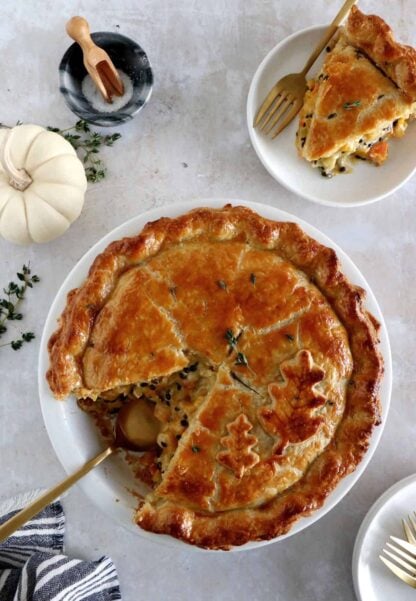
{"type": "Point", "coordinates": [204, 55]}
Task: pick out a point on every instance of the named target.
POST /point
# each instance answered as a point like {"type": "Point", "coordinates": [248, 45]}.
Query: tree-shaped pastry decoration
{"type": "Point", "coordinates": [290, 418]}
{"type": "Point", "coordinates": [239, 456]}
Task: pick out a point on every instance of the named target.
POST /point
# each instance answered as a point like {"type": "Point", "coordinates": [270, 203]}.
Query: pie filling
{"type": "Point", "coordinates": [174, 399]}
{"type": "Point", "coordinates": [371, 146]}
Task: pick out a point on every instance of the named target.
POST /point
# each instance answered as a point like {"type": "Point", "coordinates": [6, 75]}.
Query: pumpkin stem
{"type": "Point", "coordinates": [18, 178]}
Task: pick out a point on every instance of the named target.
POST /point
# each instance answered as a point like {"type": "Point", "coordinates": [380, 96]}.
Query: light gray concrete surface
{"type": "Point", "coordinates": [191, 142]}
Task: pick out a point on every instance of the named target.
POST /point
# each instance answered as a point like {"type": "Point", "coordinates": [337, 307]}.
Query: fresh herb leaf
{"type": "Point", "coordinates": [195, 449]}
{"type": "Point", "coordinates": [221, 284]}
{"type": "Point", "coordinates": [14, 294]}
{"type": "Point", "coordinates": [350, 105]}
{"type": "Point", "coordinates": [238, 379]}
{"type": "Point", "coordinates": [241, 359]}
{"type": "Point", "coordinates": [28, 336]}
{"type": "Point", "coordinates": [82, 125]}
{"type": "Point", "coordinates": [231, 339]}
{"type": "Point", "coordinates": [88, 144]}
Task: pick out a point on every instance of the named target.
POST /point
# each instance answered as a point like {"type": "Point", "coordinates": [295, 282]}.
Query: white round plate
{"type": "Point", "coordinates": [73, 434]}
{"type": "Point", "coordinates": [365, 184]}
{"type": "Point", "coordinates": [373, 581]}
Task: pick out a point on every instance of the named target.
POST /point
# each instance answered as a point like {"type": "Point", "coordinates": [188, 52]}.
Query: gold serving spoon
{"type": "Point", "coordinates": [136, 429]}
{"type": "Point", "coordinates": [96, 60]}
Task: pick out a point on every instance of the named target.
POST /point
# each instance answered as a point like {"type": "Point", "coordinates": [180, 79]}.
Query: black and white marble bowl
{"type": "Point", "coordinates": [127, 56]}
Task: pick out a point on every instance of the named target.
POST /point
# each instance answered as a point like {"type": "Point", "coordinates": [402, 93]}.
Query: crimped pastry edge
{"type": "Point", "coordinates": [374, 37]}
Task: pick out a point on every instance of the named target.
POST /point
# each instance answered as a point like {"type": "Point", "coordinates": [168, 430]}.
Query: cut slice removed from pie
{"type": "Point", "coordinates": [364, 95]}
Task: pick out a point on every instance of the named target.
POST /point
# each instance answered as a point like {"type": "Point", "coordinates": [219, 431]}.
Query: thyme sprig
{"type": "Point", "coordinates": [350, 105]}
{"type": "Point", "coordinates": [232, 340]}
{"type": "Point", "coordinates": [10, 303]}
{"type": "Point", "coordinates": [243, 383]}
{"type": "Point", "coordinates": [88, 144]}
{"type": "Point", "coordinates": [241, 359]}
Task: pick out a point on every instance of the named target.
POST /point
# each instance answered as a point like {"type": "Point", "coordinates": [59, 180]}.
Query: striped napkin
{"type": "Point", "coordinates": [33, 568]}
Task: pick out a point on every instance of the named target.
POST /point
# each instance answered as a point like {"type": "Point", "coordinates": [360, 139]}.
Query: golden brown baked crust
{"type": "Point", "coordinates": [276, 431]}
{"type": "Point", "coordinates": [354, 106]}
{"type": "Point", "coordinates": [375, 38]}
{"type": "Point", "coordinates": [349, 109]}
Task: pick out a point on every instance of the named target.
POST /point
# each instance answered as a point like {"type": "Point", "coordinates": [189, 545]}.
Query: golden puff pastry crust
{"type": "Point", "coordinates": [375, 38]}
{"type": "Point", "coordinates": [290, 351]}
{"type": "Point", "coordinates": [349, 101]}
{"type": "Point", "coordinates": [359, 100]}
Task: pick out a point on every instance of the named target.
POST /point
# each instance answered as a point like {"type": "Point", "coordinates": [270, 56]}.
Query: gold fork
{"type": "Point", "coordinates": [285, 99]}
{"type": "Point", "coordinates": [409, 528]}
{"type": "Point", "coordinates": [404, 554]}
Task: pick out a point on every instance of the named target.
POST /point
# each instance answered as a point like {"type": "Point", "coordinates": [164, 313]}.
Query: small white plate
{"type": "Point", "coordinates": [365, 184]}
{"type": "Point", "coordinates": [373, 581]}
{"type": "Point", "coordinates": [74, 436]}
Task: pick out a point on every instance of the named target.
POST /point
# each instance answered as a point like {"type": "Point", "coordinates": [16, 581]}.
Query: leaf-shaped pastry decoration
{"type": "Point", "coordinates": [239, 456]}
{"type": "Point", "coordinates": [290, 418]}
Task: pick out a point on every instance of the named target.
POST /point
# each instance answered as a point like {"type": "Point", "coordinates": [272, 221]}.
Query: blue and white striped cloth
{"type": "Point", "coordinates": [33, 568]}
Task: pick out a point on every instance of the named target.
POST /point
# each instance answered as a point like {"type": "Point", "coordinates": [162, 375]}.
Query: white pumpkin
{"type": "Point", "coordinates": [42, 184]}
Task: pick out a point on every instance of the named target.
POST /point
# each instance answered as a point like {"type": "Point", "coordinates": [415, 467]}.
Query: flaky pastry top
{"type": "Point", "coordinates": [350, 99]}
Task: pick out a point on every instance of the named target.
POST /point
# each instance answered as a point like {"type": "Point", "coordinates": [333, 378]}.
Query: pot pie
{"type": "Point", "coordinates": [364, 95]}
{"type": "Point", "coordinates": [256, 354]}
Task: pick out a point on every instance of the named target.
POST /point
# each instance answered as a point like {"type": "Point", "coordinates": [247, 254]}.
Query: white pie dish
{"type": "Point", "coordinates": [73, 435]}
{"type": "Point", "coordinates": [372, 580]}
{"type": "Point", "coordinates": [365, 185]}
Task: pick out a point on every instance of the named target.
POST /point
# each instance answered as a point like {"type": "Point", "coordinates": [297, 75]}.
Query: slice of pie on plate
{"type": "Point", "coordinates": [364, 95]}
{"type": "Point", "coordinates": [256, 353]}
